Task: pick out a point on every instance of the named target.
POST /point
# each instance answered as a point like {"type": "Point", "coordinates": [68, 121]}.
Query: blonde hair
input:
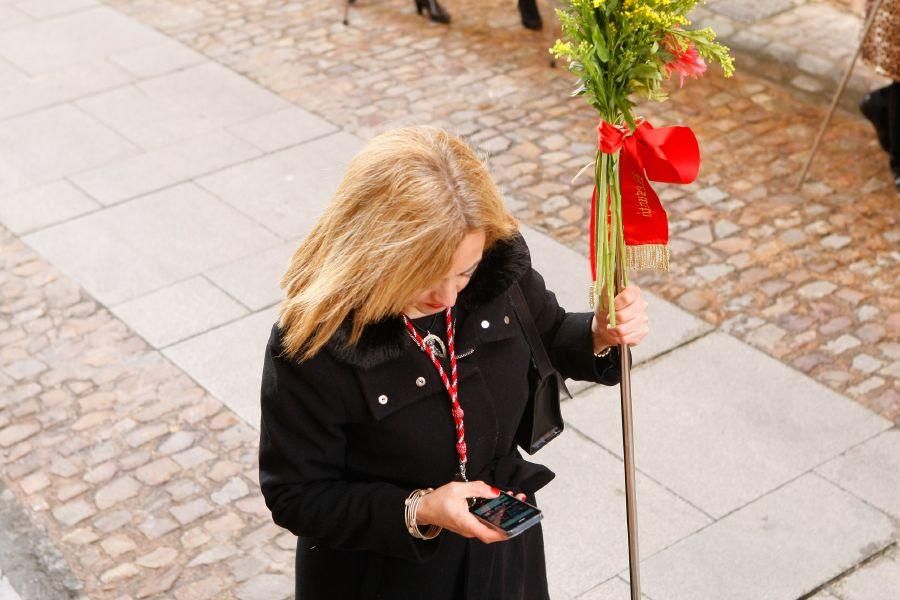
{"type": "Point", "coordinates": [390, 232]}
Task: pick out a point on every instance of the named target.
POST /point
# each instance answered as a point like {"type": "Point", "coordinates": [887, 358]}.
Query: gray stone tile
{"type": "Point", "coordinates": [10, 76]}
{"type": "Point", "coordinates": [151, 242]}
{"type": "Point", "coordinates": [20, 95]}
{"type": "Point", "coordinates": [876, 580]}
{"type": "Point", "coordinates": [42, 9]}
{"type": "Point", "coordinates": [567, 274]}
{"type": "Point", "coordinates": [228, 361]}
{"type": "Point", "coordinates": [254, 280]}
{"type": "Point", "coordinates": [147, 121]}
{"type": "Point", "coordinates": [12, 178]}
{"type": "Point", "coordinates": [287, 191]}
{"type": "Point", "coordinates": [7, 592]}
{"type": "Point", "coordinates": [584, 515]}
{"type": "Point", "coordinates": [59, 141]}
{"type": "Point", "coordinates": [721, 423]}
{"type": "Point", "coordinates": [162, 167]}
{"type": "Point", "coordinates": [56, 44]}
{"type": "Point", "coordinates": [283, 128]}
{"type": "Point", "coordinates": [179, 311]}
{"type": "Point", "coordinates": [199, 99]}
{"type": "Point", "coordinates": [44, 205]}
{"type": "Point", "coordinates": [614, 589]}
{"type": "Point", "coordinates": [780, 547]}
{"type": "Point", "coordinates": [824, 595]}
{"type": "Point", "coordinates": [870, 471]}
{"type": "Point", "coordinates": [156, 60]}
{"type": "Point", "coordinates": [10, 17]}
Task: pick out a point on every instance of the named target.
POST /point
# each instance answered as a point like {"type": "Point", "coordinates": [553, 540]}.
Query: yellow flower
{"type": "Point", "coordinates": [598, 3]}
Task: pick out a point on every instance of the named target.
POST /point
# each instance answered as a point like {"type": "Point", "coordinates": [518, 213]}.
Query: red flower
{"type": "Point", "coordinates": [686, 61]}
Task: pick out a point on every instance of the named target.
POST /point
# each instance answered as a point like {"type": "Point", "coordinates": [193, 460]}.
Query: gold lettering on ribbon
{"type": "Point", "coordinates": [640, 190]}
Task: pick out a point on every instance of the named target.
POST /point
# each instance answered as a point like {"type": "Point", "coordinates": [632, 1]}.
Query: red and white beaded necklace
{"type": "Point", "coordinates": [451, 383]}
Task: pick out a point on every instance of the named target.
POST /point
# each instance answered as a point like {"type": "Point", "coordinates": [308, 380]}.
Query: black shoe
{"type": "Point", "coordinates": [872, 107]}
{"type": "Point", "coordinates": [436, 12]}
{"type": "Point", "coordinates": [531, 18]}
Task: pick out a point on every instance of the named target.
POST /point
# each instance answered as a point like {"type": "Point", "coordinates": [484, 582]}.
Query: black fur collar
{"type": "Point", "coordinates": [385, 340]}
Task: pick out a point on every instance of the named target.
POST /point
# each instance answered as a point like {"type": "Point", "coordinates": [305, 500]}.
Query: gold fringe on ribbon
{"type": "Point", "coordinates": [647, 256]}
{"type": "Point", "coordinates": [638, 258]}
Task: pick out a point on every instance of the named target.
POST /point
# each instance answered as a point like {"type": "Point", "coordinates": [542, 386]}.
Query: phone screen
{"type": "Point", "coordinates": [504, 511]}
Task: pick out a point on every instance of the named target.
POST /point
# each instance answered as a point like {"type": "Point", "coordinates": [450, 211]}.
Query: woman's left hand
{"type": "Point", "coordinates": [632, 323]}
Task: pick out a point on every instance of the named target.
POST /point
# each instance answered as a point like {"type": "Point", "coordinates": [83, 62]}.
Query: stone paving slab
{"type": "Point", "coordinates": [287, 191]}
{"type": "Point", "coordinates": [57, 43]}
{"type": "Point", "coordinates": [878, 579]}
{"type": "Point", "coordinates": [228, 361]}
{"type": "Point", "coordinates": [254, 280]}
{"type": "Point", "coordinates": [21, 93]}
{"type": "Point", "coordinates": [142, 245]}
{"type": "Point", "coordinates": [10, 17]}
{"type": "Point", "coordinates": [55, 142]}
{"type": "Point", "coordinates": [613, 589]}
{"type": "Point", "coordinates": [278, 130]}
{"type": "Point", "coordinates": [163, 167]}
{"type": "Point", "coordinates": [158, 59]}
{"type": "Point", "coordinates": [6, 590]}
{"type": "Point", "coordinates": [43, 206]}
{"type": "Point", "coordinates": [42, 9]}
{"type": "Point", "coordinates": [179, 311]}
{"type": "Point", "coordinates": [162, 110]}
{"type": "Point", "coordinates": [584, 515]}
{"type": "Point", "coordinates": [779, 547]}
{"type": "Point", "coordinates": [722, 424]}
{"type": "Point", "coordinates": [870, 470]}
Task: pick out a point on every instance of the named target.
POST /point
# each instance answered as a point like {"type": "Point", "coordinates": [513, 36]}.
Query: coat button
{"type": "Point", "coordinates": [382, 399]}
{"type": "Point", "coordinates": [420, 381]}
{"type": "Point", "coordinates": [506, 319]}
{"type": "Point", "coordinates": [485, 324]}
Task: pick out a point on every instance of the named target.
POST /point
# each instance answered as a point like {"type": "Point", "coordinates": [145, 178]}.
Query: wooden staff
{"type": "Point", "coordinates": [870, 19]}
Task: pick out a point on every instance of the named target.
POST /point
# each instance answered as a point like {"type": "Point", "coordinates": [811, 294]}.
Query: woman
{"type": "Point", "coordinates": [356, 417]}
{"type": "Point", "coordinates": [881, 50]}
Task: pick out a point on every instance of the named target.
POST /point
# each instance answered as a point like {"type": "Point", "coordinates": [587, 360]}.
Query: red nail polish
{"type": "Point", "coordinates": [495, 490]}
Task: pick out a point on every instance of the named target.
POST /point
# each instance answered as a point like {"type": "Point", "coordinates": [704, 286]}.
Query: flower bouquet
{"type": "Point", "coordinates": [620, 49]}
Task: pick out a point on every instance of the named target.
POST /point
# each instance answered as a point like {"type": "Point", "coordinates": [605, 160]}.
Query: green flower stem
{"type": "Point", "coordinates": [613, 238]}
{"type": "Point", "coordinates": [602, 183]}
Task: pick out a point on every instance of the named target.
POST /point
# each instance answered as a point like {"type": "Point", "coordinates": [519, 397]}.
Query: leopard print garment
{"type": "Point", "coordinates": [881, 49]}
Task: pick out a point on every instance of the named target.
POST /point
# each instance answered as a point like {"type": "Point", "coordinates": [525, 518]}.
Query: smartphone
{"type": "Point", "coordinates": [506, 514]}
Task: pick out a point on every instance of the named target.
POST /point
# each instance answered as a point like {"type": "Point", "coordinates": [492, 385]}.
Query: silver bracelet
{"type": "Point", "coordinates": [411, 507]}
{"type": "Point", "coordinates": [603, 352]}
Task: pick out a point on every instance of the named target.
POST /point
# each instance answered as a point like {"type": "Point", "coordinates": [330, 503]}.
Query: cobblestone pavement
{"type": "Point", "coordinates": [806, 276]}
{"type": "Point", "coordinates": [148, 483]}
{"type": "Point", "coordinates": [805, 45]}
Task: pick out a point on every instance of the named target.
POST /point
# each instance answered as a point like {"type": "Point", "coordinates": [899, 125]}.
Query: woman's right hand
{"type": "Point", "coordinates": [447, 507]}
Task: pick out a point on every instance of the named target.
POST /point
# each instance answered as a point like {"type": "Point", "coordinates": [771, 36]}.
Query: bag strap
{"type": "Point", "coordinates": [538, 352]}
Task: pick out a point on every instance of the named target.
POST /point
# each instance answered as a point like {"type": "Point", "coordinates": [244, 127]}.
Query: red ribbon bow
{"type": "Point", "coordinates": [665, 155]}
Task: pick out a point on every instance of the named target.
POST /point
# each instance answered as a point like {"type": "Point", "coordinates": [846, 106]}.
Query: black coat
{"type": "Point", "coordinates": [347, 435]}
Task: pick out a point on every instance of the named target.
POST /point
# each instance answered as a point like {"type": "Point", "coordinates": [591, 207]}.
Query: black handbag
{"type": "Point", "coordinates": [542, 420]}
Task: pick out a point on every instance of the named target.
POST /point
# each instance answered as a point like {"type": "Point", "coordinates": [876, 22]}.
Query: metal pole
{"type": "Point", "coordinates": [628, 446]}
{"type": "Point", "coordinates": [840, 92]}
